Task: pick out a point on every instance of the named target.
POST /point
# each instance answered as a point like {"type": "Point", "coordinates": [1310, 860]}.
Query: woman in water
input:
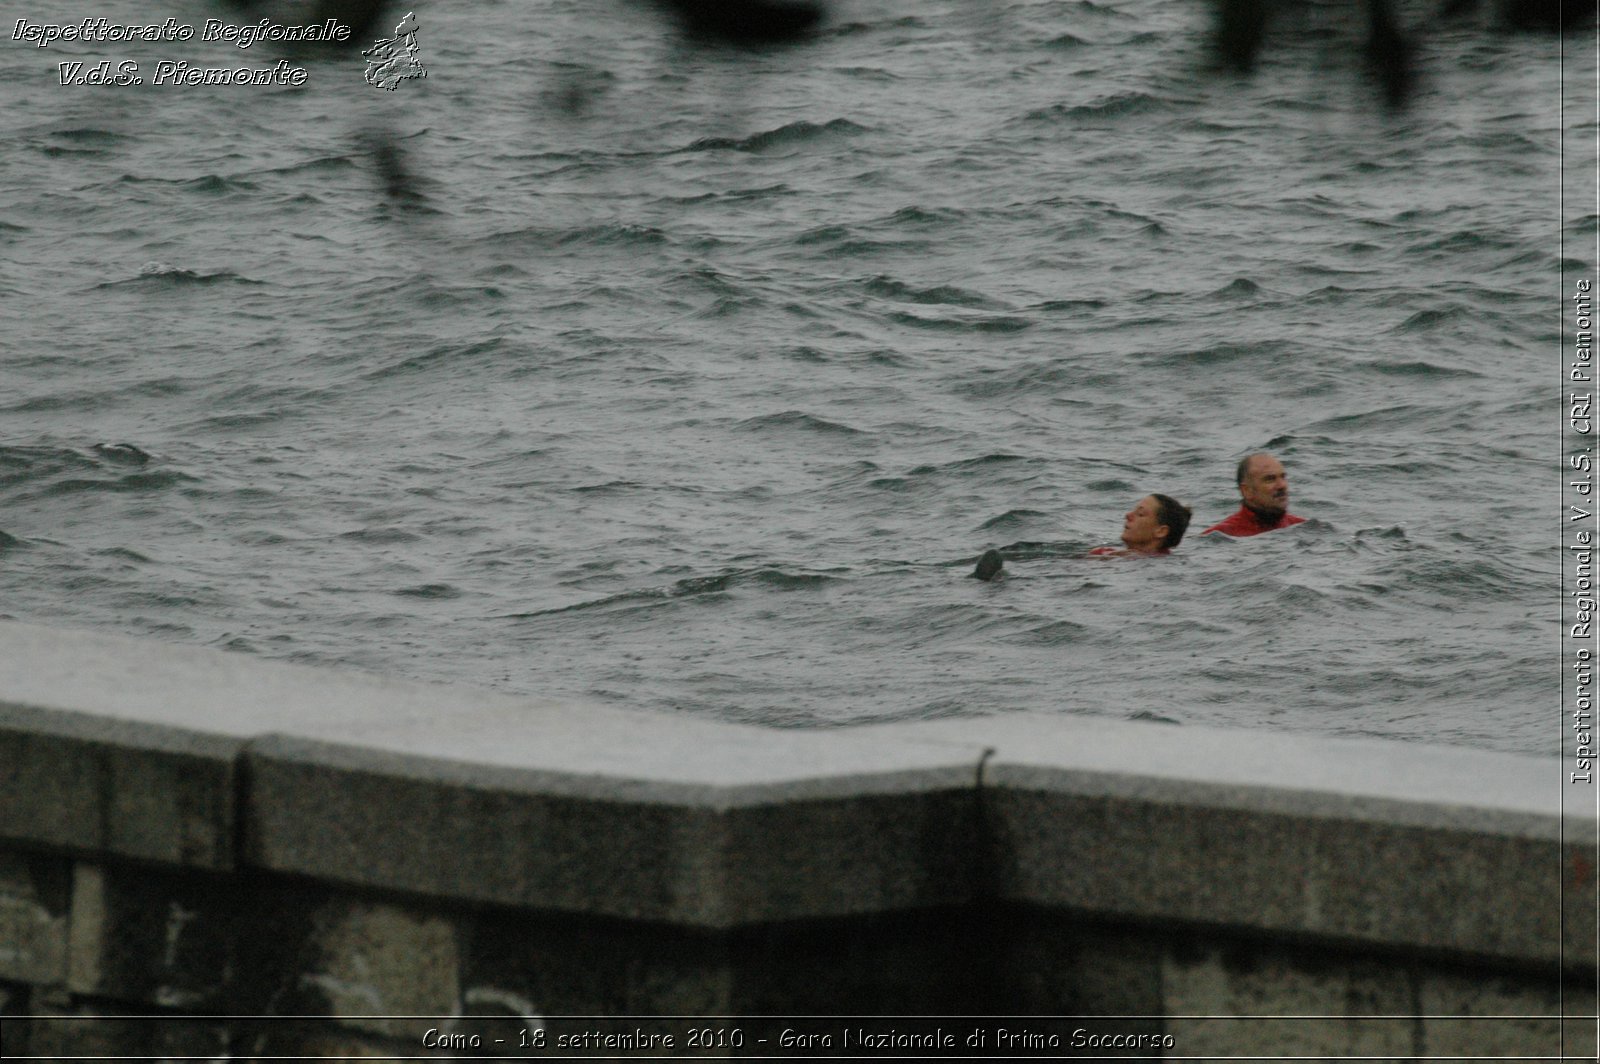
{"type": "Point", "coordinates": [1152, 528]}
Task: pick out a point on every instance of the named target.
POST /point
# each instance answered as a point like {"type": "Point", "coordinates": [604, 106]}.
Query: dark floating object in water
{"type": "Point", "coordinates": [122, 453]}
{"type": "Point", "coordinates": [1241, 25]}
{"type": "Point", "coordinates": [989, 565]}
{"type": "Point", "coordinates": [747, 21]}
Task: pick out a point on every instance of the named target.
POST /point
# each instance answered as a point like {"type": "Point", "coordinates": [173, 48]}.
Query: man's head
{"type": "Point", "coordinates": [1156, 522]}
{"type": "Point", "coordinates": [1264, 486]}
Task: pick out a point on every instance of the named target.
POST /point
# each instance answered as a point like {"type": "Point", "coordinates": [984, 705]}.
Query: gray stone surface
{"type": "Point", "coordinates": [1062, 967]}
{"type": "Point", "coordinates": [1480, 1015]}
{"type": "Point", "coordinates": [1405, 783]}
{"type": "Point", "coordinates": [34, 894]}
{"type": "Point", "coordinates": [1067, 975]}
{"type": "Point", "coordinates": [134, 749]}
{"type": "Point", "coordinates": [129, 747]}
{"type": "Point", "coordinates": [894, 829]}
{"type": "Point", "coordinates": [1441, 848]}
{"type": "Point", "coordinates": [159, 938]}
{"type": "Point", "coordinates": [68, 1029]}
{"type": "Point", "coordinates": [116, 786]}
{"type": "Point", "coordinates": [1255, 1003]}
{"type": "Point", "coordinates": [385, 969]}
{"type": "Point", "coordinates": [14, 1009]}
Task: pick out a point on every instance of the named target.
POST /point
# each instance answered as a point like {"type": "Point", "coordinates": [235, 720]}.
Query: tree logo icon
{"type": "Point", "coordinates": [391, 61]}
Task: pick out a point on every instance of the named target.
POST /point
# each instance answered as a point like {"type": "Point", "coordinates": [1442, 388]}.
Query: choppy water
{"type": "Point", "coordinates": [690, 378]}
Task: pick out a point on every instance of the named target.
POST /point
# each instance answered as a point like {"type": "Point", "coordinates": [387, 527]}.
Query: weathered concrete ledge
{"type": "Point", "coordinates": [138, 780]}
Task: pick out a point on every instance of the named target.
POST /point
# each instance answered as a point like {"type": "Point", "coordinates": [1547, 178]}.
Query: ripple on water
{"type": "Point", "coordinates": [794, 134]}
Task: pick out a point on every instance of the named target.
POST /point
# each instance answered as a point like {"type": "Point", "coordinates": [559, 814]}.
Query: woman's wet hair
{"type": "Point", "coordinates": [1175, 516]}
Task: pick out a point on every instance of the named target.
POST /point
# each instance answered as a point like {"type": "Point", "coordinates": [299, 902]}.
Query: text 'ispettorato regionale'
{"type": "Point", "coordinates": [104, 31]}
{"type": "Point", "coordinates": [168, 72]}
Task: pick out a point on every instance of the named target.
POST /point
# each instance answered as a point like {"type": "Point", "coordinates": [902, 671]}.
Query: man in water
{"type": "Point", "coordinates": [1264, 487]}
{"type": "Point", "coordinates": [1152, 528]}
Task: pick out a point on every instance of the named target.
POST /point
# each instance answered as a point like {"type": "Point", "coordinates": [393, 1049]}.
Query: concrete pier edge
{"type": "Point", "coordinates": [216, 765]}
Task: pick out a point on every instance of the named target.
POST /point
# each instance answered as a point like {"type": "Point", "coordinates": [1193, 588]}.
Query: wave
{"type": "Point", "coordinates": [89, 135]}
{"type": "Point", "coordinates": [1238, 288]}
{"type": "Point", "coordinates": [1271, 351]}
{"type": "Point", "coordinates": [163, 275]}
{"type": "Point", "coordinates": [692, 588]}
{"type": "Point", "coordinates": [1404, 416]}
{"type": "Point", "coordinates": [154, 481]}
{"type": "Point", "coordinates": [1107, 108]}
{"type": "Point", "coordinates": [380, 536]}
{"type": "Point", "coordinates": [612, 234]}
{"type": "Point", "coordinates": [1054, 376]}
{"type": "Point", "coordinates": [1051, 634]}
{"type": "Point", "coordinates": [792, 134]}
{"type": "Point", "coordinates": [430, 591]}
{"type": "Point", "coordinates": [1012, 519]}
{"type": "Point", "coordinates": [1465, 240]}
{"type": "Point", "coordinates": [798, 419]}
{"type": "Point", "coordinates": [1156, 718]}
{"type": "Point", "coordinates": [122, 453]}
{"type": "Point", "coordinates": [450, 356]}
{"type": "Point", "coordinates": [1418, 369]}
{"type": "Point", "coordinates": [209, 184]}
{"type": "Point", "coordinates": [1000, 323]}
{"type": "Point", "coordinates": [1069, 304]}
{"type": "Point", "coordinates": [889, 288]}
{"type": "Point", "coordinates": [1427, 319]}
{"type": "Point", "coordinates": [982, 462]}
{"type": "Point", "coordinates": [321, 164]}
{"type": "Point", "coordinates": [64, 470]}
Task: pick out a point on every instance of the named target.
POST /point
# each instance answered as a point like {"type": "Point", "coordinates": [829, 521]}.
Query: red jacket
{"type": "Point", "coordinates": [1246, 523]}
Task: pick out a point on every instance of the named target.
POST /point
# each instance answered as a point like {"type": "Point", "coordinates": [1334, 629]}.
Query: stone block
{"type": "Point", "coordinates": [1053, 965]}
{"type": "Point", "coordinates": [183, 941]}
{"type": "Point", "coordinates": [34, 895]}
{"type": "Point", "coordinates": [1346, 840]}
{"type": "Point", "coordinates": [1245, 1000]}
{"type": "Point", "coordinates": [142, 934]}
{"type": "Point", "coordinates": [560, 972]}
{"type": "Point", "coordinates": [324, 1044]}
{"type": "Point", "coordinates": [117, 787]}
{"type": "Point", "coordinates": [1192, 860]}
{"type": "Point", "coordinates": [939, 963]}
{"type": "Point", "coordinates": [68, 1028]}
{"type": "Point", "coordinates": [187, 941]}
{"type": "Point", "coordinates": [1487, 1014]}
{"type": "Point", "coordinates": [382, 969]}
{"type": "Point", "coordinates": [127, 747]}
{"type": "Point", "coordinates": [529, 968]}
{"type": "Point", "coordinates": [14, 1009]}
{"type": "Point", "coordinates": [714, 827]}
{"type": "Point", "coordinates": [731, 859]}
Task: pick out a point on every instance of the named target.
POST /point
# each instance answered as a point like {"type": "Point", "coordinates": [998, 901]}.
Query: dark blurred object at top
{"type": "Point", "coordinates": [362, 16]}
{"type": "Point", "coordinates": [1390, 46]}
{"type": "Point", "coordinates": [746, 21]}
{"type": "Point", "coordinates": [1550, 16]}
{"type": "Point", "coordinates": [1390, 51]}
